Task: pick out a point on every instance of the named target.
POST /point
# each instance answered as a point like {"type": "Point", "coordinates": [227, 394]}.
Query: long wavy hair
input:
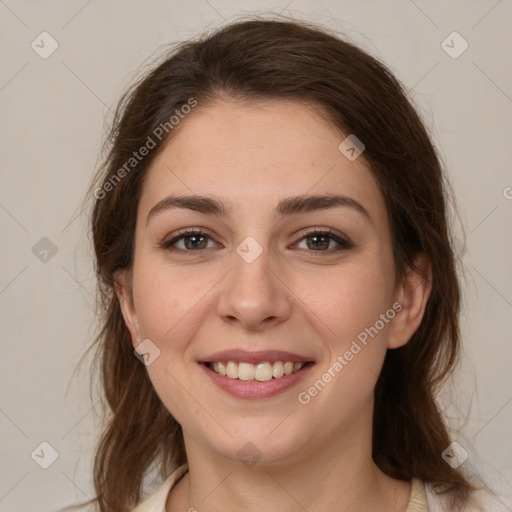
{"type": "Point", "coordinates": [281, 59]}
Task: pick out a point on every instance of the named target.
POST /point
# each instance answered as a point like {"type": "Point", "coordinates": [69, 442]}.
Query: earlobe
{"type": "Point", "coordinates": [123, 290]}
{"type": "Point", "coordinates": [412, 294]}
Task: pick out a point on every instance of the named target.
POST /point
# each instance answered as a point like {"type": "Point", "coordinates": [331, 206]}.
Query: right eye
{"type": "Point", "coordinates": [194, 241]}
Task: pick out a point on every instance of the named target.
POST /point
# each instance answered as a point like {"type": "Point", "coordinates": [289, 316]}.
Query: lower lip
{"type": "Point", "coordinates": [253, 389]}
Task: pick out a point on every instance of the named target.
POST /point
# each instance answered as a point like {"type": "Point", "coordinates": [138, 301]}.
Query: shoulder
{"type": "Point", "coordinates": [156, 502]}
{"type": "Point", "coordinates": [482, 501]}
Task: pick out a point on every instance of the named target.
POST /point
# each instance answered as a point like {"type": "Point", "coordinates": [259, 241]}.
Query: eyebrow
{"type": "Point", "coordinates": [209, 205]}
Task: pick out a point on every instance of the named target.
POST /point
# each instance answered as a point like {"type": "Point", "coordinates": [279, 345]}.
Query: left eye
{"type": "Point", "coordinates": [316, 241]}
{"type": "Point", "coordinates": [320, 240]}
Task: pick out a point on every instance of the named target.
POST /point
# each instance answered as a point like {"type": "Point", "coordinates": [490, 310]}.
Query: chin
{"type": "Point", "coordinates": [253, 444]}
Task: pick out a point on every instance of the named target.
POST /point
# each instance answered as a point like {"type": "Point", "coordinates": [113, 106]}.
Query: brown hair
{"type": "Point", "coordinates": [281, 59]}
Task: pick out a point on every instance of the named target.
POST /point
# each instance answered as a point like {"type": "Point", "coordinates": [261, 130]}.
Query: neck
{"type": "Point", "coordinates": [342, 476]}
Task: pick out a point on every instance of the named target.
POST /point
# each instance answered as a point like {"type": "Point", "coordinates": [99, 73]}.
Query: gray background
{"type": "Point", "coordinates": [53, 114]}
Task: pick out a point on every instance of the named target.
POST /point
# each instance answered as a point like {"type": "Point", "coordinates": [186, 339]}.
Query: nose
{"type": "Point", "coordinates": [254, 294]}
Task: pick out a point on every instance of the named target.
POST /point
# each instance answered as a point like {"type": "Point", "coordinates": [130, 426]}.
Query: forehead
{"type": "Point", "coordinates": [251, 153]}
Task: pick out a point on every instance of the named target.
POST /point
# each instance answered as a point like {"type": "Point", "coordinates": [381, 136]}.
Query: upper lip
{"type": "Point", "coordinates": [254, 356]}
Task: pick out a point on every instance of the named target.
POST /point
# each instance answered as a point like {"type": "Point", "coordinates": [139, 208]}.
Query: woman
{"type": "Point", "coordinates": [271, 237]}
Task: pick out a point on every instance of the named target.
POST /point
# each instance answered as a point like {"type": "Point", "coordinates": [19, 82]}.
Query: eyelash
{"type": "Point", "coordinates": [185, 233]}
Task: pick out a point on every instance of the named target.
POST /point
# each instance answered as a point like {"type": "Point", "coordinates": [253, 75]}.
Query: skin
{"type": "Point", "coordinates": [293, 297]}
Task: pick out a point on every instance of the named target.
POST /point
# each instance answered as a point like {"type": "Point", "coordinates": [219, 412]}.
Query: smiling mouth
{"type": "Point", "coordinates": [261, 372]}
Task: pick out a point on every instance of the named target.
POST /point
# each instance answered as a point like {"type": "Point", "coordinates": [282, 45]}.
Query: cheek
{"type": "Point", "coordinates": [349, 300]}
{"type": "Point", "coordinates": [169, 304]}
{"type": "Point", "coordinates": [354, 311]}
{"type": "Point", "coordinates": [166, 300]}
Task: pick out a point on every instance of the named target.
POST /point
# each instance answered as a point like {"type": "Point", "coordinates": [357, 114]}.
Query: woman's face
{"type": "Point", "coordinates": [256, 285]}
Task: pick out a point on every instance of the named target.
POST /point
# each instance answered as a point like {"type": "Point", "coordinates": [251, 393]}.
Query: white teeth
{"type": "Point", "coordinates": [231, 370]}
{"type": "Point", "coordinates": [222, 368]}
{"type": "Point", "coordinates": [278, 369]}
{"type": "Point", "coordinates": [261, 372]}
{"type": "Point", "coordinates": [246, 371]}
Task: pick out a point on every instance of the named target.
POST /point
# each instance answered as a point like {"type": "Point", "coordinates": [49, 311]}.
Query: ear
{"type": "Point", "coordinates": [412, 294]}
{"type": "Point", "coordinates": [123, 289]}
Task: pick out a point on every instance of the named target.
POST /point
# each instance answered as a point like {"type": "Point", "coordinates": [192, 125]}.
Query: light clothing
{"type": "Point", "coordinates": [423, 499]}
{"type": "Point", "coordinates": [156, 502]}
